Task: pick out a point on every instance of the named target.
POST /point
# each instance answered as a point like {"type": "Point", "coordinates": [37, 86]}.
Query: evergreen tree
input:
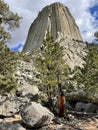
{"type": "Point", "coordinates": [8, 21]}
{"type": "Point", "coordinates": [88, 76]}
{"type": "Point", "coordinates": [7, 67]}
{"type": "Point", "coordinates": [50, 64]}
{"type": "Point", "coordinates": [90, 71]}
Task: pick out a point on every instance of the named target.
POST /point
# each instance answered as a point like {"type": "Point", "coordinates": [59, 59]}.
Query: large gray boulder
{"type": "Point", "coordinates": [34, 115]}
{"type": "Point", "coordinates": [86, 107]}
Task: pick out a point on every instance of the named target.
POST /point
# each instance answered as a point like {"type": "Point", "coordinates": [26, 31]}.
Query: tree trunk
{"type": "Point", "coordinates": [50, 98]}
{"type": "Point", "coordinates": [62, 102]}
{"type": "Point", "coordinates": [62, 112]}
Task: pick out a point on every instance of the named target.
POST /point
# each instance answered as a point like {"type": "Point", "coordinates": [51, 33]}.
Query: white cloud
{"type": "Point", "coordinates": [29, 9]}
{"type": "Point", "coordinates": [85, 21]}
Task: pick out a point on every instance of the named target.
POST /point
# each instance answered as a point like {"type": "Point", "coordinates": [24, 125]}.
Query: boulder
{"type": "Point", "coordinates": [91, 108]}
{"type": "Point", "coordinates": [80, 106]}
{"type": "Point", "coordinates": [86, 107]}
{"type": "Point", "coordinates": [34, 115]}
{"type": "Point", "coordinates": [29, 91]}
{"type": "Point", "coordinates": [11, 126]}
{"type": "Point", "coordinates": [9, 106]}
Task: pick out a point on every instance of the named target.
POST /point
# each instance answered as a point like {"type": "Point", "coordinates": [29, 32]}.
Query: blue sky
{"type": "Point", "coordinates": [94, 11]}
{"type": "Point", "coordinates": [85, 13]}
{"type": "Point", "coordinates": [17, 47]}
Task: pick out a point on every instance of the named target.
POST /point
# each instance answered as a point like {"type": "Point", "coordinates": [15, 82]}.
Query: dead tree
{"type": "Point", "coordinates": [62, 102]}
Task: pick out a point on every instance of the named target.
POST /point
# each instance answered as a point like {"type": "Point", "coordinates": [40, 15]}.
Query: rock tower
{"type": "Point", "coordinates": [55, 17]}
{"type": "Point", "coordinates": [59, 21]}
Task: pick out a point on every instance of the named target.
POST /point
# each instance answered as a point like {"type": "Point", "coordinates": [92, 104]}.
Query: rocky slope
{"type": "Point", "coordinates": [24, 72]}
{"type": "Point", "coordinates": [74, 51]}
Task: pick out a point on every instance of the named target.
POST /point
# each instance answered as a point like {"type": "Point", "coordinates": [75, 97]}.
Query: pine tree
{"type": "Point", "coordinates": [7, 67]}
{"type": "Point", "coordinates": [51, 66]}
{"type": "Point", "coordinates": [88, 76]}
{"type": "Point", "coordinates": [8, 21]}
{"type": "Point", "coordinates": [90, 71]}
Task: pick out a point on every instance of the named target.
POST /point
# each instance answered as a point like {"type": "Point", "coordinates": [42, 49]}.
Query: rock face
{"type": "Point", "coordinates": [74, 52]}
{"type": "Point", "coordinates": [55, 17]}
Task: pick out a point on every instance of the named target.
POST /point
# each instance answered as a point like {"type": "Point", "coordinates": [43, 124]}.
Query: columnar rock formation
{"type": "Point", "coordinates": [59, 21]}
{"type": "Point", "coordinates": [55, 17]}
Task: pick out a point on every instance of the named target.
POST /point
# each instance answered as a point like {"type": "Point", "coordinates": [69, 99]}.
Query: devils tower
{"type": "Point", "coordinates": [61, 24]}
{"type": "Point", "coordinates": [55, 17]}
